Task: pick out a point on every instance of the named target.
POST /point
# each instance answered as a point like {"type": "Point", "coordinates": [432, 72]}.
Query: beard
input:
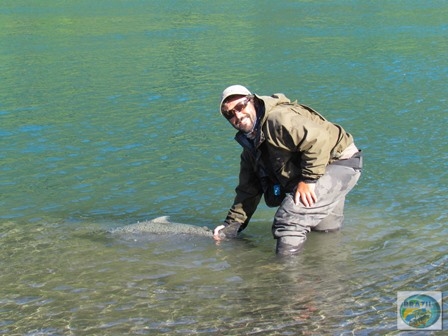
{"type": "Point", "coordinates": [245, 124]}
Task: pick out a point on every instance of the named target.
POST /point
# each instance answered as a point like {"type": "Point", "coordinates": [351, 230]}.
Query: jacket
{"type": "Point", "coordinates": [293, 143]}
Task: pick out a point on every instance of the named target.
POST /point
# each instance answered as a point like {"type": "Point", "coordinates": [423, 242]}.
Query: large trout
{"type": "Point", "coordinates": [162, 225]}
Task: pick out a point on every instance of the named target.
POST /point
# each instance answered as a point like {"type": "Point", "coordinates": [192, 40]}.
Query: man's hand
{"type": "Point", "coordinates": [216, 234]}
{"type": "Point", "coordinates": [226, 231]}
{"type": "Point", "coordinates": [305, 194]}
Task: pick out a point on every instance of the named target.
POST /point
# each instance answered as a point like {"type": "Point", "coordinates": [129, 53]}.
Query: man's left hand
{"type": "Point", "coordinates": [305, 194]}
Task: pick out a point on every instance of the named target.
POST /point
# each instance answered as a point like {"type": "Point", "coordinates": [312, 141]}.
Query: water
{"type": "Point", "coordinates": [109, 116]}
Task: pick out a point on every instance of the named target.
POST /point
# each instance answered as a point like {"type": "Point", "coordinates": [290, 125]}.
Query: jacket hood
{"type": "Point", "coordinates": [271, 101]}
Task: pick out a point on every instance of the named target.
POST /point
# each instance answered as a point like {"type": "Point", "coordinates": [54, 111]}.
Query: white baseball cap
{"type": "Point", "coordinates": [233, 90]}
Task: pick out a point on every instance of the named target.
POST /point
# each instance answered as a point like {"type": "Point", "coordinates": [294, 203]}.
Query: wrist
{"type": "Point", "coordinates": [308, 181]}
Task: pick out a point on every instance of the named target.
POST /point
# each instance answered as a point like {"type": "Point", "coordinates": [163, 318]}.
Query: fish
{"type": "Point", "coordinates": [163, 225]}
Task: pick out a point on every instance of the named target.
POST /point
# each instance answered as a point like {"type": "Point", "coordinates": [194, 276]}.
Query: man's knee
{"type": "Point", "coordinates": [289, 245]}
{"type": "Point", "coordinates": [334, 220]}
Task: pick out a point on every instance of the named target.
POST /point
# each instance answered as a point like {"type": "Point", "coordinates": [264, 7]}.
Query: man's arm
{"type": "Point", "coordinates": [248, 195]}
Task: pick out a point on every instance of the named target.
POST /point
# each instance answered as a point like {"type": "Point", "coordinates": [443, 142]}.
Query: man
{"type": "Point", "coordinates": [293, 156]}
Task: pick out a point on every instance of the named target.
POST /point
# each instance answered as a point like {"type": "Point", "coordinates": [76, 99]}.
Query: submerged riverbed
{"type": "Point", "coordinates": [109, 116]}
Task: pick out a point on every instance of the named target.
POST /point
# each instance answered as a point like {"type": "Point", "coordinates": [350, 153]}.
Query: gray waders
{"type": "Point", "coordinates": [293, 222]}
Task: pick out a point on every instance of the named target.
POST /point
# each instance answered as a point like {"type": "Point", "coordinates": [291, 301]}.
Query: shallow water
{"type": "Point", "coordinates": [109, 116]}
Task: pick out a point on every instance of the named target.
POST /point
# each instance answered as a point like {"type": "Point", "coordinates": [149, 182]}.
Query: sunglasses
{"type": "Point", "coordinates": [229, 114]}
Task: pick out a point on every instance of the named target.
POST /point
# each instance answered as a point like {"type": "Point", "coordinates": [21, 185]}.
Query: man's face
{"type": "Point", "coordinates": [240, 112]}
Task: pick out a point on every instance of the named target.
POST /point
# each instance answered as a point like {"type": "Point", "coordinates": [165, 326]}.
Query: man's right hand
{"type": "Point", "coordinates": [216, 232]}
{"type": "Point", "coordinates": [226, 231]}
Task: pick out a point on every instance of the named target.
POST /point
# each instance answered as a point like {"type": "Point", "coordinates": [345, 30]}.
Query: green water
{"type": "Point", "coordinates": [108, 116]}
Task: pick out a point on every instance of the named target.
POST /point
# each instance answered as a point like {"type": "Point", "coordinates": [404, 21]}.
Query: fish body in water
{"type": "Point", "coordinates": [162, 225]}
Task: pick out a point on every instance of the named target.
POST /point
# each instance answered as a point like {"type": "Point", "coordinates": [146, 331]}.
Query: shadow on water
{"type": "Point", "coordinates": [304, 292]}
{"type": "Point", "coordinates": [96, 236]}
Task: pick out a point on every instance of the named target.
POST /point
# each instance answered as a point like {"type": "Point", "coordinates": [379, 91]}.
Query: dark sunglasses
{"type": "Point", "coordinates": [229, 114]}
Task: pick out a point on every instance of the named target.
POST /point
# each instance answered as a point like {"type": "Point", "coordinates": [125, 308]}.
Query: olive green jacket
{"type": "Point", "coordinates": [293, 143]}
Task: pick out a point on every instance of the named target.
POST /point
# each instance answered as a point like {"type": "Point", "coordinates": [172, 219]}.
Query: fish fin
{"type": "Point", "coordinates": [162, 220]}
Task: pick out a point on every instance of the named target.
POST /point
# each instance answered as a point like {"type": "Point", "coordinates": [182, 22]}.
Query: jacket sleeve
{"type": "Point", "coordinates": [248, 193]}
{"type": "Point", "coordinates": [315, 148]}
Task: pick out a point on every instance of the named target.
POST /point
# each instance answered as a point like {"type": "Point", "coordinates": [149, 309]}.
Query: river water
{"type": "Point", "coordinates": [109, 116]}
